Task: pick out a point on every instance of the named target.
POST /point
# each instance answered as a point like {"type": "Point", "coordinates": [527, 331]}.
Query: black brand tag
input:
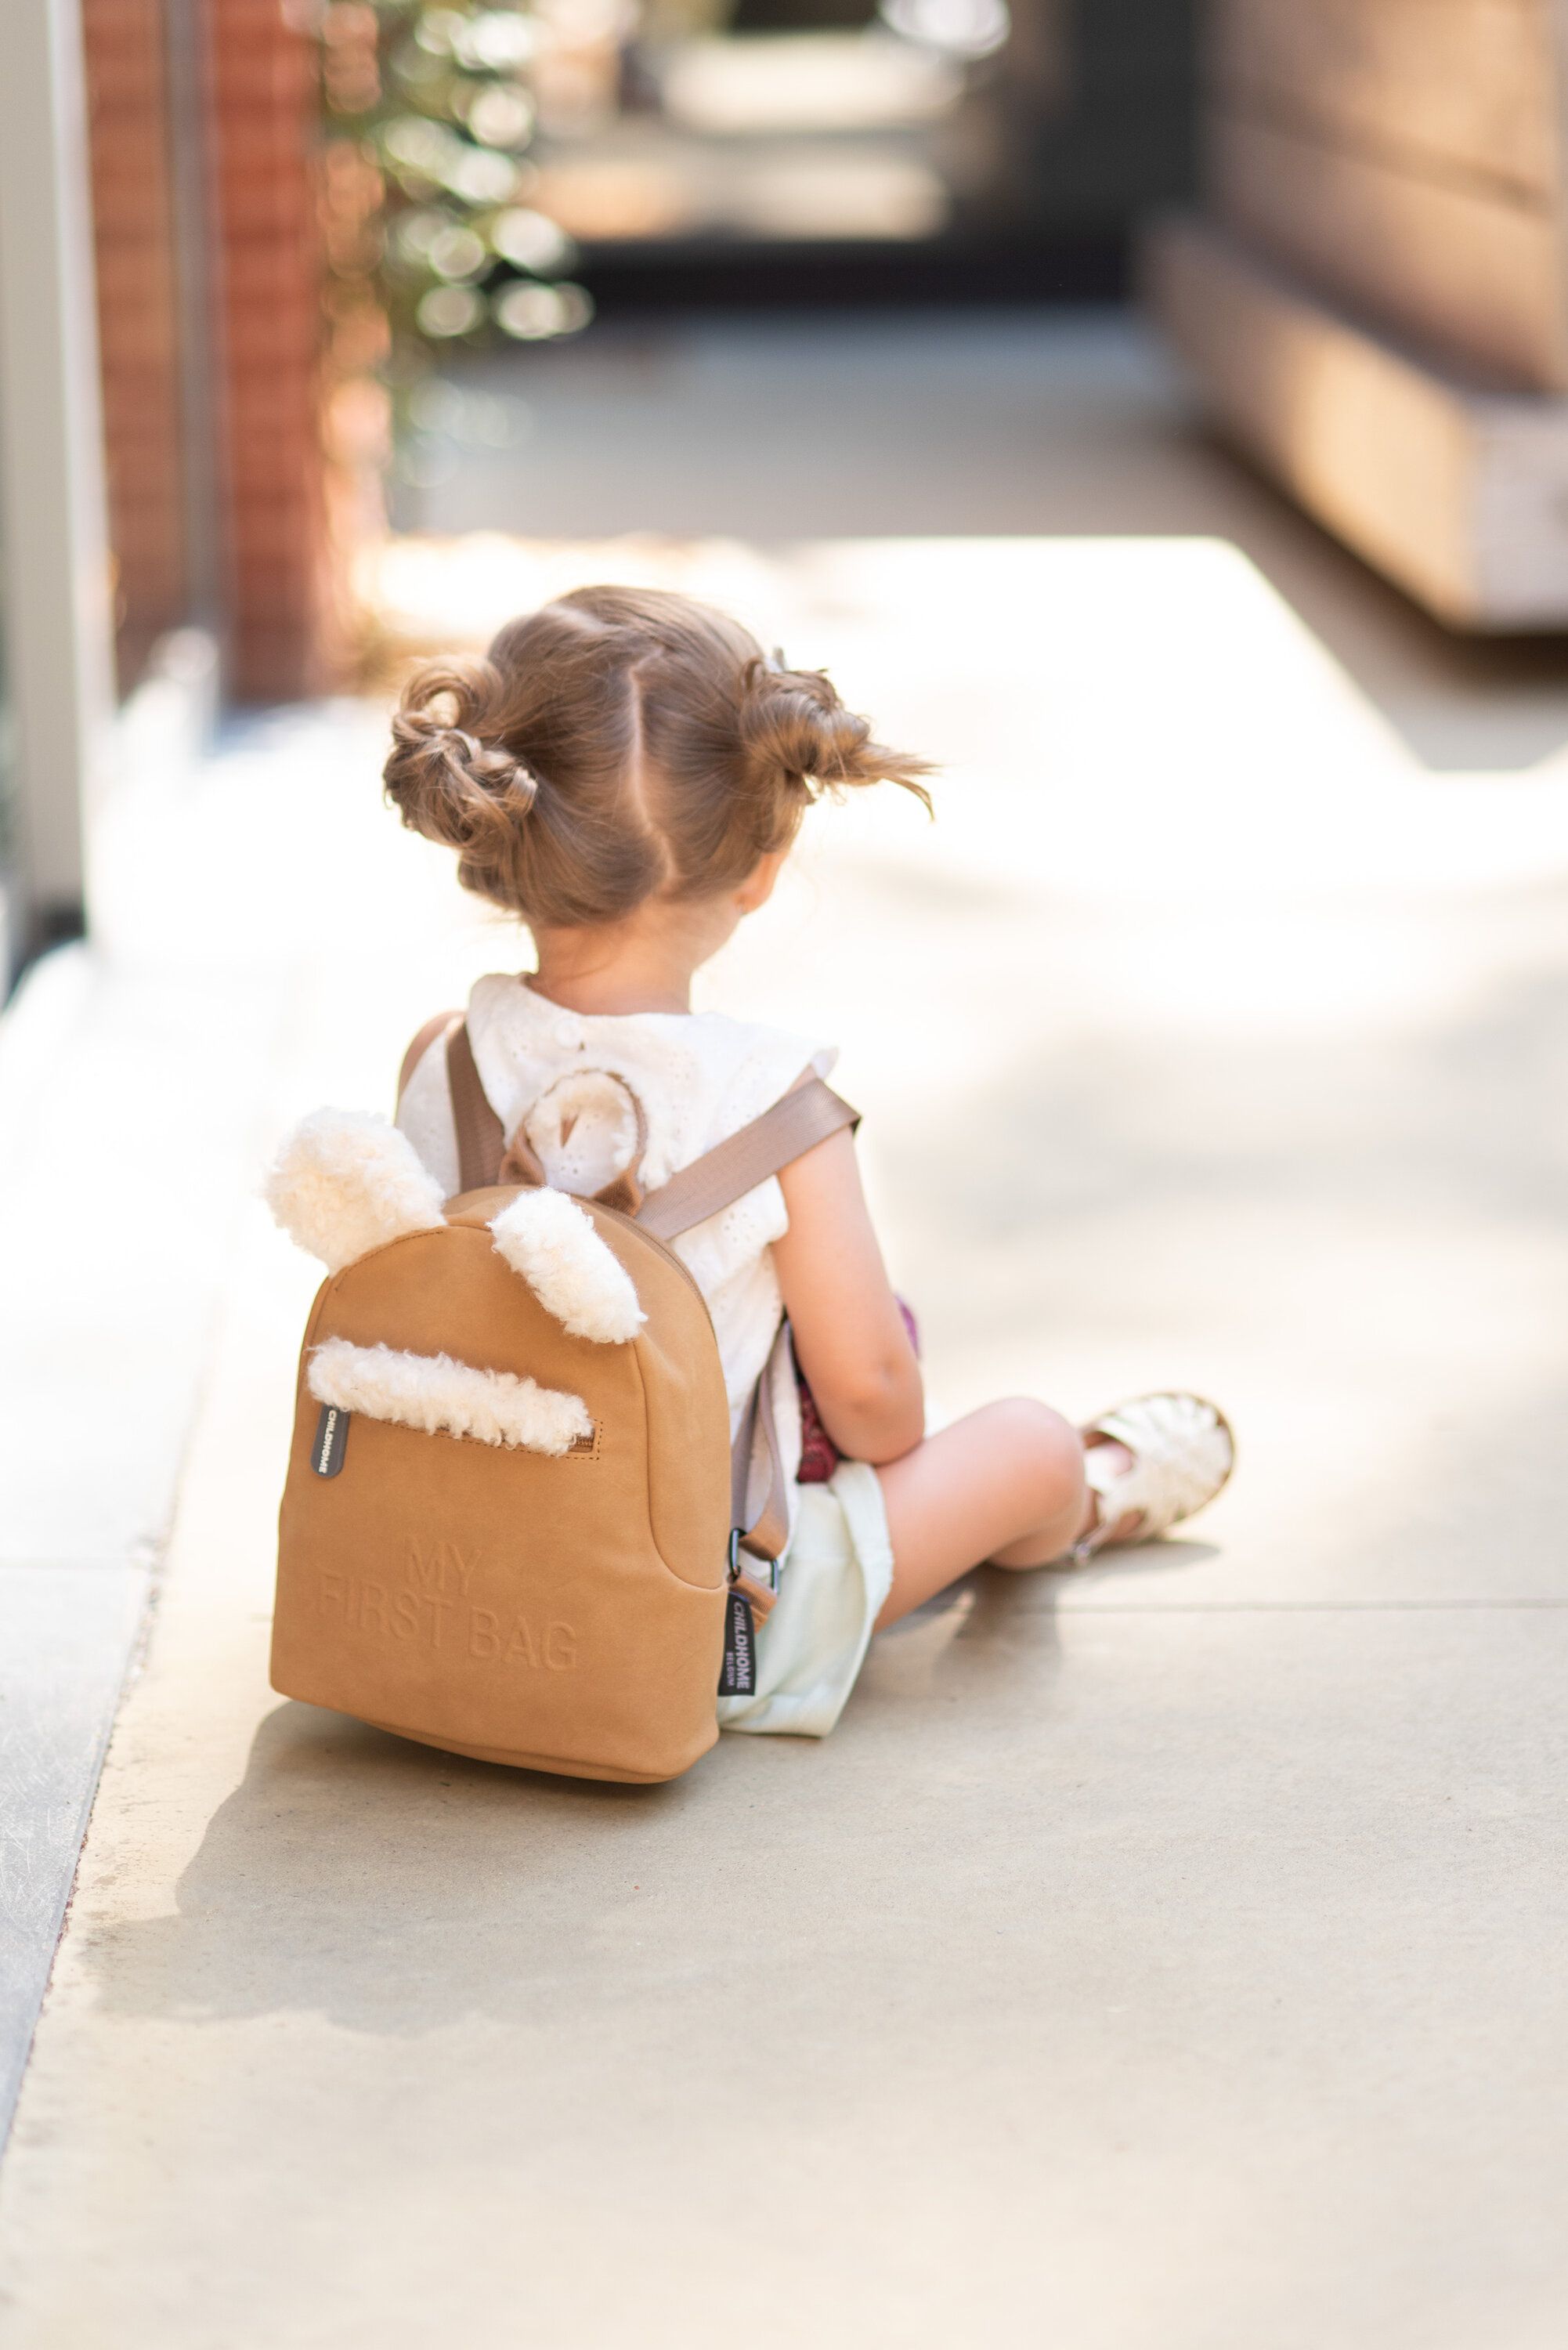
{"type": "Point", "coordinates": [331, 1437]}
{"type": "Point", "coordinates": [739, 1678]}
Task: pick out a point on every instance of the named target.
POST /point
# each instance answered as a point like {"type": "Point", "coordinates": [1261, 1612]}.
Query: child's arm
{"type": "Point", "coordinates": [849, 1336]}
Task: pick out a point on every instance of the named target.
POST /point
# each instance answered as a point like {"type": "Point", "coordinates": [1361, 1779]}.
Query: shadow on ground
{"type": "Point", "coordinates": [393, 1888]}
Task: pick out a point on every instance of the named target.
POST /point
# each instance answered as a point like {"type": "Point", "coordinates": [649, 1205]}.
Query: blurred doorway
{"type": "Point", "coordinates": [839, 150]}
{"type": "Point", "coordinates": [702, 153]}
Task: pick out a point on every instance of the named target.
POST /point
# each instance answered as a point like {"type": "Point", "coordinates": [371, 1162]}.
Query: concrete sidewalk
{"type": "Point", "coordinates": [1163, 1957]}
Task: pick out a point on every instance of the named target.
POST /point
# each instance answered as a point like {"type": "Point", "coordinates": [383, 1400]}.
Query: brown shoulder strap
{"type": "Point", "coordinates": [765, 1534]}
{"type": "Point", "coordinates": [736, 1166]}
{"type": "Point", "coordinates": [481, 1140]}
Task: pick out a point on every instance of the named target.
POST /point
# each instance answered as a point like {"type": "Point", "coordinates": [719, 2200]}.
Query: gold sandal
{"type": "Point", "coordinates": [1183, 1453]}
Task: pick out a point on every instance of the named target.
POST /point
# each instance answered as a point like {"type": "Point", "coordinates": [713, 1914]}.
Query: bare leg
{"type": "Point", "coordinates": [1005, 1484]}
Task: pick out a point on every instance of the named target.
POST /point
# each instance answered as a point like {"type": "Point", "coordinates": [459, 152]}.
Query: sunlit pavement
{"type": "Point", "coordinates": [1160, 1957]}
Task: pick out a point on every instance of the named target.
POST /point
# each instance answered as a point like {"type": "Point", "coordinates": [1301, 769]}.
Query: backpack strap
{"type": "Point", "coordinates": [756, 1543]}
{"type": "Point", "coordinates": [783, 1134]}
{"type": "Point", "coordinates": [794, 1126]}
{"type": "Point", "coordinates": [481, 1137]}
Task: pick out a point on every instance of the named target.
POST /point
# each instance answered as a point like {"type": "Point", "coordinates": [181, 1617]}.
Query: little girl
{"type": "Point", "coordinates": [626, 772]}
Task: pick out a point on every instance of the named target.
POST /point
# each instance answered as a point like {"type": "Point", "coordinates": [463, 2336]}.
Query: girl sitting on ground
{"type": "Point", "coordinates": [626, 773]}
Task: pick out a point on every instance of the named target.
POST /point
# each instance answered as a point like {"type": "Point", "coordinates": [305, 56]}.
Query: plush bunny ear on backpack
{"type": "Point", "coordinates": [345, 1180]}
{"type": "Point", "coordinates": [548, 1238]}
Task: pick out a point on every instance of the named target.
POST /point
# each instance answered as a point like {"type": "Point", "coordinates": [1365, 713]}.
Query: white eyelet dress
{"type": "Point", "coordinates": [699, 1077]}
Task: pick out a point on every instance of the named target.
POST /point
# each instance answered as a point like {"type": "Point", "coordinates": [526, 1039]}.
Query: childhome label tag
{"type": "Point", "coordinates": [331, 1437]}
{"type": "Point", "coordinates": [739, 1677]}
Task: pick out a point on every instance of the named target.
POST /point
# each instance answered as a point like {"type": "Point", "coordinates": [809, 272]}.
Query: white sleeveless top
{"type": "Point", "coordinates": [698, 1077]}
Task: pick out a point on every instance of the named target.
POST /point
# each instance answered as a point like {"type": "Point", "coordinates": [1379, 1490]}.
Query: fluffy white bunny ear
{"type": "Point", "coordinates": [345, 1181]}
{"type": "Point", "coordinates": [548, 1238]}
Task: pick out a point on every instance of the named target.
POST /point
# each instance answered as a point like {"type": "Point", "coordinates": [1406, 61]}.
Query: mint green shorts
{"type": "Point", "coordinates": [835, 1576]}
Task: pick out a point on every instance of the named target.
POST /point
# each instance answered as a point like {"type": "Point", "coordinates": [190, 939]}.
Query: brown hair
{"type": "Point", "coordinates": [618, 744]}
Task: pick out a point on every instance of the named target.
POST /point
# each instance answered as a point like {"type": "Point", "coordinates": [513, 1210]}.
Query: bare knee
{"type": "Point", "coordinates": [1044, 1457]}
{"type": "Point", "coordinates": [1039, 1436]}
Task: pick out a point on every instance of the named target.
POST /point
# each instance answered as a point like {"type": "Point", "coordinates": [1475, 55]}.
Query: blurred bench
{"type": "Point", "coordinates": [1376, 300]}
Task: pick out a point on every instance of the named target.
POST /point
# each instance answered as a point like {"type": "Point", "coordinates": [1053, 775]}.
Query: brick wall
{"type": "Point", "coordinates": [261, 63]}
{"type": "Point", "coordinates": [139, 319]}
{"type": "Point", "coordinates": [257, 156]}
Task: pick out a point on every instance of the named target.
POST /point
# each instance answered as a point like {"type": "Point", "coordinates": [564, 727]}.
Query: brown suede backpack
{"type": "Point", "coordinates": [514, 1524]}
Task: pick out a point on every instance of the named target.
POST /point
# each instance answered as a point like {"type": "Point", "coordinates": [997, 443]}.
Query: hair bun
{"type": "Point", "coordinates": [793, 723]}
{"type": "Point", "coordinates": [488, 764]}
{"type": "Point", "coordinates": [446, 779]}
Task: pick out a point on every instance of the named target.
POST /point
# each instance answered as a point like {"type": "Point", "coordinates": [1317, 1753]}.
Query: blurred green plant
{"type": "Point", "coordinates": [431, 111]}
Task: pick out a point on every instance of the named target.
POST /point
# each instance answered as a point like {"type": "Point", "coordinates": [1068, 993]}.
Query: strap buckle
{"type": "Point", "coordinates": [762, 1568]}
